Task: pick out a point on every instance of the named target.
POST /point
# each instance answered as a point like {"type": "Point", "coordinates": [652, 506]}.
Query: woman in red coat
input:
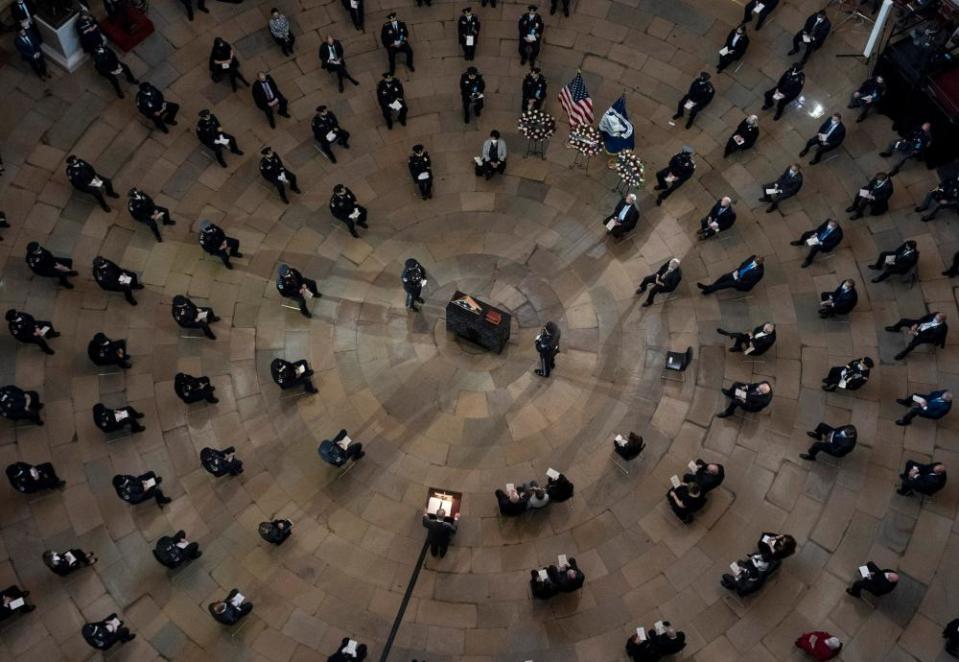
{"type": "Point", "coordinates": [821, 645]}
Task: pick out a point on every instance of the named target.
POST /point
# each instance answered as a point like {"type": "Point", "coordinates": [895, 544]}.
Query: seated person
{"type": "Point", "coordinates": [349, 651]}
{"type": "Point", "coordinates": [277, 531]}
{"type": "Point", "coordinates": [290, 375]}
{"type": "Point", "coordinates": [512, 502]}
{"type": "Point", "coordinates": [173, 551]}
{"type": "Point", "coordinates": [542, 582]}
{"type": "Point", "coordinates": [14, 601]}
{"type": "Point", "coordinates": [341, 449]}
{"type": "Point", "coordinates": [669, 641]}
{"type": "Point", "coordinates": [231, 610]}
{"type": "Point", "coordinates": [775, 546]}
{"type": "Point", "coordinates": [708, 476]}
{"type": "Point", "coordinates": [630, 447]}
{"type": "Point", "coordinates": [755, 343]}
{"type": "Point", "coordinates": [70, 560]}
{"type": "Point", "coordinates": [840, 301]}
{"type": "Point", "coordinates": [111, 420]}
{"type": "Point", "coordinates": [569, 578]}
{"type": "Point", "coordinates": [933, 406]}
{"type": "Point", "coordinates": [137, 489]}
{"type": "Point", "coordinates": [837, 442]}
{"type": "Point", "coordinates": [686, 500]}
{"type": "Point", "coordinates": [559, 489]}
{"type": "Point", "coordinates": [221, 462]}
{"type": "Point", "coordinates": [105, 352]}
{"type": "Point", "coordinates": [192, 389]}
{"type": "Point", "coordinates": [876, 581]}
{"type": "Point", "coordinates": [927, 479]}
{"type": "Point", "coordinates": [821, 645]}
{"type": "Point", "coordinates": [29, 479]}
{"type": "Point", "coordinates": [102, 635]}
{"type": "Point", "coordinates": [751, 397]}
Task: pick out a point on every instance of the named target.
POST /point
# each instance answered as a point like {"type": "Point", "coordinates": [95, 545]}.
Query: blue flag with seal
{"type": "Point", "coordinates": [616, 129]}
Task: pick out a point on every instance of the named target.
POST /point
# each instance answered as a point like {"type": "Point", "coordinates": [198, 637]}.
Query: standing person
{"type": "Point", "coordinates": [144, 210]}
{"type": "Point", "coordinates": [355, 9]}
{"type": "Point", "coordinates": [467, 28]}
{"type": "Point", "coordinates": [293, 285]}
{"type": "Point", "coordinates": [830, 137]}
{"type": "Point", "coordinates": [332, 59]}
{"type": "Point", "coordinates": [472, 87]}
{"type": "Point", "coordinates": [666, 279]}
{"type": "Point", "coordinates": [152, 105]}
{"type": "Point", "coordinates": [327, 132]}
{"type": "Point", "coordinates": [744, 137]}
{"type": "Point", "coordinates": [281, 31]}
{"type": "Point", "coordinates": [735, 47]}
{"type": "Point", "coordinates": [440, 530]}
{"type": "Point", "coordinates": [531, 28]}
{"type": "Point", "coordinates": [343, 206]}
{"type": "Point", "coordinates": [395, 38]}
{"type": "Point", "coordinates": [223, 60]}
{"type": "Point", "coordinates": [268, 98]}
{"type": "Point", "coordinates": [700, 93]}
{"type": "Point", "coordinates": [30, 331]}
{"type": "Point", "coordinates": [547, 346]}
{"type": "Point", "coordinates": [212, 135]}
{"type": "Point", "coordinates": [43, 263]}
{"type": "Point", "coordinates": [875, 195]}
{"type": "Point", "coordinates": [389, 94]}
{"type": "Point", "coordinates": [813, 35]}
{"type": "Point", "coordinates": [19, 405]}
{"type": "Point", "coordinates": [414, 278]}
{"type": "Point", "coordinates": [85, 179]}
{"type": "Point", "coordinates": [28, 45]}
{"type": "Point", "coordinates": [108, 65]}
{"type": "Point", "coordinates": [421, 170]}
{"type": "Point", "coordinates": [786, 90]}
{"type": "Point", "coordinates": [273, 171]}
{"type": "Point", "coordinates": [681, 167]}
{"type": "Point", "coordinates": [111, 277]}
{"type": "Point", "coordinates": [761, 8]}
{"type": "Point", "coordinates": [534, 90]}
{"type": "Point", "coordinates": [213, 240]}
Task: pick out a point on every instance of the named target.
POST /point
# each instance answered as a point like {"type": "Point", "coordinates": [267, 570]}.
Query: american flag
{"type": "Point", "coordinates": [576, 102]}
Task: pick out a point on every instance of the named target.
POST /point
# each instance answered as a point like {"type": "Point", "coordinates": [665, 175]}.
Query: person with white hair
{"type": "Point", "coordinates": [624, 217]}
{"type": "Point", "coordinates": [666, 279]}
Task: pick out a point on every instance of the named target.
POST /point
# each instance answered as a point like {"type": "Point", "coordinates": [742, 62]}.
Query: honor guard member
{"type": "Point", "coordinates": [830, 136]}
{"type": "Point", "coordinates": [268, 98]}
{"type": "Point", "coordinates": [290, 375]}
{"type": "Point", "coordinates": [88, 31]}
{"type": "Point", "coordinates": [813, 35]}
{"type": "Point", "coordinates": [414, 278]}
{"type": "Point", "coordinates": [547, 346]}
{"type": "Point", "coordinates": [102, 635]}
{"type": "Point", "coordinates": [743, 279]}
{"type": "Point", "coordinates": [421, 170]}
{"type": "Point", "coordinates": [281, 32]}
{"type": "Point", "coordinates": [151, 104]}
{"type": "Point", "coordinates": [327, 131]}
{"type": "Point", "coordinates": [666, 279]}
{"type": "Point", "coordinates": [624, 218]}
{"type": "Point", "coordinates": [276, 532]}
{"type": "Point", "coordinates": [214, 241]}
{"type": "Point", "coordinates": [355, 9]}
{"type": "Point", "coordinates": [719, 219]}
{"type": "Point", "coordinates": [332, 59]}
{"type": "Point", "coordinates": [745, 136]}
{"type": "Point", "coordinates": [43, 263]}
{"type": "Point", "coordinates": [67, 562]}
{"type": "Point", "coordinates": [212, 135]}
{"type": "Point", "coordinates": [28, 45]}
{"type": "Point", "coordinates": [232, 609]}
{"type": "Point", "coordinates": [221, 462]}
{"type": "Point", "coordinates": [27, 330]}
{"type": "Point", "coordinates": [787, 89]}
{"type": "Point", "coordinates": [173, 551]}
{"type": "Point", "coordinates": [868, 96]}
{"type": "Point", "coordinates": [875, 195]}
{"type": "Point", "coordinates": [841, 301]}
{"type": "Point", "coordinates": [389, 94]}
{"type": "Point", "coordinates": [788, 185]}
{"type": "Point", "coordinates": [137, 489]}
{"type": "Point", "coordinates": [29, 479]}
{"type": "Point", "coordinates": [472, 87]}
{"type": "Point", "coordinates": [108, 65]}
{"type": "Point", "coordinates": [86, 180]}
{"type": "Point", "coordinates": [343, 206]}
{"type": "Point", "coordinates": [735, 47]}
{"type": "Point", "coordinates": [292, 285]}
{"type": "Point", "coordinates": [339, 450]}
{"type": "Point", "coordinates": [468, 27]}
{"type": "Point", "coordinates": [534, 90]}
{"type": "Point", "coordinates": [189, 316]}
{"type": "Point", "coordinates": [681, 167]}
{"type": "Point", "coordinates": [19, 405]}
{"type": "Point", "coordinates": [823, 239]}
{"type": "Point", "coordinates": [273, 171]}
{"type": "Point", "coordinates": [700, 93]}
{"type": "Point", "coordinates": [761, 9]}
{"type": "Point", "coordinates": [897, 262]}
{"type": "Point", "coordinates": [112, 278]}
{"type": "Point", "coordinates": [112, 420]}
{"type": "Point", "coordinates": [493, 156]}
{"type": "Point", "coordinates": [946, 195]}
{"type": "Point", "coordinates": [192, 389]}
{"type": "Point", "coordinates": [531, 29]}
{"type": "Point", "coordinates": [104, 352]}
{"type": "Point", "coordinates": [143, 209]}
{"type": "Point", "coordinates": [395, 37]}
{"type": "Point", "coordinates": [914, 146]}
{"type": "Point", "coordinates": [223, 61]}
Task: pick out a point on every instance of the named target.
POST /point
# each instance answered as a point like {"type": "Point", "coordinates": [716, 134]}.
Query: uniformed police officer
{"type": "Point", "coordinates": [292, 285]}
{"type": "Point", "coordinates": [112, 278]}
{"type": "Point", "coordinates": [111, 420]}
{"type": "Point", "coordinates": [414, 278]}
{"type": "Point", "coordinates": [273, 171]}
{"type": "Point", "coordinates": [534, 90]}
{"type": "Point", "coordinates": [151, 104]}
{"type": "Point", "coordinates": [389, 94]}
{"type": "Point", "coordinates": [143, 209]}
{"type": "Point", "coordinates": [211, 134]}
{"type": "Point", "coordinates": [86, 180]}
{"type": "Point", "coordinates": [327, 131]}
{"type": "Point", "coordinates": [214, 241]}
{"type": "Point", "coordinates": [547, 346]}
{"type": "Point", "coordinates": [468, 27]}
{"type": "Point", "coordinates": [43, 263]}
{"type": "Point", "coordinates": [18, 405]}
{"type": "Point", "coordinates": [108, 65]}
{"type": "Point", "coordinates": [192, 389]}
{"type": "Point", "coordinates": [343, 206]}
{"type": "Point", "coordinates": [26, 329]}
{"type": "Point", "coordinates": [396, 39]}
{"type": "Point", "coordinates": [105, 352]}
{"type": "Point", "coordinates": [472, 87]}
{"type": "Point", "coordinates": [290, 375]}
{"type": "Point", "coordinates": [190, 316]}
{"type": "Point", "coordinates": [421, 169]}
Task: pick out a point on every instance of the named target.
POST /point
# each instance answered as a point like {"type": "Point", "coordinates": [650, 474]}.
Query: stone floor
{"type": "Point", "coordinates": [434, 412]}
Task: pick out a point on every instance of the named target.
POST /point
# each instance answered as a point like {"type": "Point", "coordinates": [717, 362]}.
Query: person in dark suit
{"type": "Point", "coordinates": [752, 398]}
{"type": "Point", "coordinates": [104, 352]}
{"type": "Point", "coordinates": [492, 156]}
{"type": "Point", "coordinates": [700, 93]}
{"type": "Point", "coordinates": [102, 635]}
{"type": "Point", "coordinates": [29, 479]}
{"type": "Point", "coordinates": [775, 546]}
{"type": "Point", "coordinates": [735, 47]}
{"type": "Point", "coordinates": [933, 406]}
{"type": "Point", "coordinates": [440, 530]}
{"type": "Point", "coordinates": [897, 262]}
{"type": "Point", "coordinates": [624, 217]}
{"type": "Point", "coordinates": [413, 278]}
{"type": "Point", "coordinates": [756, 342]}
{"type": "Point", "coordinates": [341, 654]}
{"type": "Point", "coordinates": [276, 531]}
{"type": "Point", "coordinates": [395, 37]}
{"type": "Point", "coordinates": [840, 301]}
{"type": "Point", "coordinates": [213, 240]}
{"type": "Point", "coordinates": [223, 61]}
{"type": "Point", "coordinates": [390, 95]}
{"type": "Point", "coordinates": [823, 239]}
{"type": "Point", "coordinates": [343, 206]}
{"type": "Point", "coordinates": [108, 64]}
{"type": "Point", "coordinates": [327, 132]}
{"type": "Point", "coordinates": [173, 551]}
{"type": "Point", "coordinates": [786, 90]}
{"type": "Point", "coordinates": [113, 278]}
{"type": "Point", "coordinates": [192, 389]}
{"type": "Point", "coordinates": [930, 329]}
{"type": "Point", "coordinates": [19, 405]}
{"type": "Point", "coordinates": [421, 170]}
{"type": "Point", "coordinates": [200, 5]}
{"type": "Point", "coordinates": [288, 374]}
{"type": "Point", "coordinates": [569, 578]}
{"type": "Point", "coordinates": [472, 87]}
{"type": "Point", "coordinates": [927, 479]}
{"type": "Point", "coordinates": [543, 588]}
{"type": "Point", "coordinates": [629, 447]}
{"type": "Point", "coordinates": [85, 179]}
{"type": "Point", "coordinates": [546, 344]}
{"type": "Point", "coordinates": [355, 9]}
{"type": "Point", "coordinates": [745, 136]}
{"type": "Point", "coordinates": [232, 609]}
{"type": "Point", "coordinates": [268, 98]}
{"type": "Point", "coordinates": [559, 489]}
{"type": "Point", "coordinates": [221, 462]}
{"type": "Point", "coordinates": [868, 96]}
{"type": "Point", "coordinates": [788, 185]}
{"type": "Point", "coordinates": [831, 134]}
{"type": "Point", "coordinates": [743, 279]}
{"type": "Point", "coordinates": [681, 167]}
{"type": "Point", "coordinates": [878, 582]}
{"type": "Point", "coordinates": [665, 279]}
{"type": "Point", "coordinates": [112, 420]}
{"type": "Point", "coordinates": [280, 30]}
{"type": "Point", "coordinates": [534, 90]}
{"type": "Point", "coordinates": [467, 30]}
{"type": "Point", "coordinates": [28, 46]}
{"type": "Point", "coordinates": [813, 35]}
{"type": "Point", "coordinates": [850, 377]}
{"type": "Point", "coordinates": [719, 219]}
{"type": "Point", "coordinates": [513, 502]}
{"type": "Point", "coordinates": [332, 59]}
{"type": "Point", "coordinates": [685, 501]}
{"type": "Point", "coordinates": [273, 171]}
{"type": "Point", "coordinates": [914, 146]}
{"type": "Point", "coordinates": [291, 284]}
{"type": "Point", "coordinates": [837, 442]}
{"type": "Point", "coordinates": [212, 135]}
{"type": "Point", "coordinates": [944, 196]}
{"type": "Point", "coordinates": [341, 449]}
{"type": "Point", "coordinates": [761, 9]}
{"type": "Point", "coordinates": [69, 561]}
{"type": "Point", "coordinates": [531, 28]}
{"type": "Point", "coordinates": [30, 331]}
{"type": "Point", "coordinates": [951, 634]}
{"type": "Point", "coordinates": [144, 210]}
{"type": "Point", "coordinates": [152, 105]}
{"type": "Point", "coordinates": [708, 475]}
{"type": "Point", "coordinates": [137, 489]}
{"type": "Point", "coordinates": [875, 195]}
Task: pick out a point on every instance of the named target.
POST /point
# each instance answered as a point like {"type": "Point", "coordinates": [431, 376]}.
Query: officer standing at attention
{"type": "Point", "coordinates": [143, 209]}
{"type": "Point", "coordinates": [468, 27]}
{"type": "Point", "coordinates": [212, 135]}
{"type": "Point", "coordinates": [327, 131]}
{"type": "Point", "coordinates": [108, 65]}
{"type": "Point", "coordinates": [214, 241]}
{"type": "Point", "coordinates": [531, 29]}
{"type": "Point", "coordinates": [395, 37]}
{"type": "Point", "coordinates": [421, 169]}
{"type": "Point", "coordinates": [43, 263]}
{"type": "Point", "coordinates": [414, 278]}
{"type": "Point", "coordinates": [104, 352]}
{"type": "Point", "coordinates": [331, 59]}
{"type": "Point", "coordinates": [273, 171]}
{"type": "Point", "coordinates": [343, 206]}
{"type": "Point", "coordinates": [534, 90]}
{"type": "Point", "coordinates": [472, 87]}
{"type": "Point", "coordinates": [547, 346]}
{"type": "Point", "coordinates": [86, 180]}
{"type": "Point", "coordinates": [112, 278]}
{"type": "Point", "coordinates": [389, 94]}
{"type": "Point", "coordinates": [189, 316]}
{"type": "Point", "coordinates": [292, 285]}
{"type": "Point", "coordinates": [151, 104]}
{"type": "Point", "coordinates": [27, 330]}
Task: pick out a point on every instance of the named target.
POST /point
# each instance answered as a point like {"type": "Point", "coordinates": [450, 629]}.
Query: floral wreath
{"type": "Point", "coordinates": [630, 168]}
{"type": "Point", "coordinates": [585, 139]}
{"type": "Point", "coordinates": [537, 125]}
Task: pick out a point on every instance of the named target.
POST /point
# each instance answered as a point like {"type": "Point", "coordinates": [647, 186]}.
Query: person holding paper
{"type": "Point", "coordinates": [153, 106]}
{"type": "Point", "coordinates": [733, 50]}
{"type": "Point", "coordinates": [421, 170]}
{"type": "Point", "coordinates": [273, 171]}
{"type": "Point", "coordinates": [743, 279]}
{"type": "Point", "coordinates": [332, 59]}
{"type": "Point", "coordinates": [875, 196]}
{"type": "Point", "coordinates": [276, 531]}
{"type": "Point", "coordinates": [776, 546]}
{"type": "Point", "coordinates": [628, 447]}
{"type": "Point", "coordinates": [173, 551]}
{"type": "Point", "coordinates": [531, 28]}
{"type": "Point", "coordinates": [223, 61]}
{"type": "Point", "coordinates": [67, 562]}
{"type": "Point", "coordinates": [414, 278]}
{"type": "Point", "coordinates": [831, 134]}
{"type": "Point", "coordinates": [787, 89]}
{"type": "Point", "coordinates": [823, 239]}
{"type": "Point", "coordinates": [29, 479]}
{"type": "Point", "coordinates": [28, 45]}
{"type": "Point", "coordinates": [665, 279]}
{"type": "Point", "coordinates": [547, 346]}
{"type": "Point", "coordinates": [348, 651]}
{"type": "Point", "coordinates": [467, 28]}
{"type": "Point", "coordinates": [112, 420]}
{"type": "Point", "coordinates": [30, 331]}
{"type": "Point", "coordinates": [512, 502]}
{"type": "Point", "coordinates": [492, 158]}
{"type": "Point", "coordinates": [914, 146]}
{"type": "Point", "coordinates": [752, 398]}
{"type": "Point", "coordinates": [290, 375]}
{"type": "Point", "coordinates": [232, 609]}
{"type": "Point", "coordinates": [927, 479]}
{"type": "Point", "coordinates": [850, 377]}
{"type": "Point", "coordinates": [43, 263]}
{"type": "Point", "coordinates": [873, 579]}
{"type": "Point", "coordinates": [215, 242]}
{"type": "Point", "coordinates": [667, 640]}
{"type": "Point", "coordinates": [137, 489]}
{"type": "Point", "coordinates": [221, 462]}
{"type": "Point", "coordinates": [192, 389]}
{"type": "Point", "coordinates": [624, 217]}
{"type": "Point", "coordinates": [542, 583]}
{"type": "Point", "coordinates": [708, 475]}
{"type": "Point", "coordinates": [761, 9]}
{"type": "Point", "coordinates": [472, 87]}
{"type": "Point", "coordinates": [837, 442]}
{"type": "Point", "coordinates": [395, 37]}
{"type": "Point", "coordinates": [812, 35]}
{"type": "Point", "coordinates": [946, 195]}
{"type": "Point", "coordinates": [788, 185]}
{"type": "Point", "coordinates": [144, 210]}
{"type": "Point", "coordinates": [840, 301]}
{"type": "Point", "coordinates": [102, 635]}
{"type": "Point", "coordinates": [868, 96]}
{"type": "Point", "coordinates": [440, 530]}
{"type": "Point", "coordinates": [108, 64]}
{"type": "Point", "coordinates": [930, 329]}
{"type": "Point", "coordinates": [534, 90]}
{"type": "Point", "coordinates": [700, 93]}
{"type": "Point", "coordinates": [821, 645]}
{"type": "Point", "coordinates": [281, 32]}
{"type": "Point", "coordinates": [327, 132]}
{"type": "Point", "coordinates": [268, 98]}
{"type": "Point", "coordinates": [681, 167]}
{"type": "Point", "coordinates": [343, 206]}
{"type": "Point", "coordinates": [85, 179]}
{"type": "Point", "coordinates": [190, 316]}
{"type": "Point", "coordinates": [13, 600]}
{"type": "Point", "coordinates": [291, 284]}
{"type": "Point", "coordinates": [720, 218]}
{"type": "Point", "coordinates": [341, 449]}
{"type": "Point", "coordinates": [933, 406]}
{"type": "Point", "coordinates": [113, 278]}
{"type": "Point", "coordinates": [212, 135]}
{"type": "Point", "coordinates": [897, 262]}
{"type": "Point", "coordinates": [745, 136]}
{"type": "Point", "coordinates": [355, 9]}
{"type": "Point", "coordinates": [390, 95]}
